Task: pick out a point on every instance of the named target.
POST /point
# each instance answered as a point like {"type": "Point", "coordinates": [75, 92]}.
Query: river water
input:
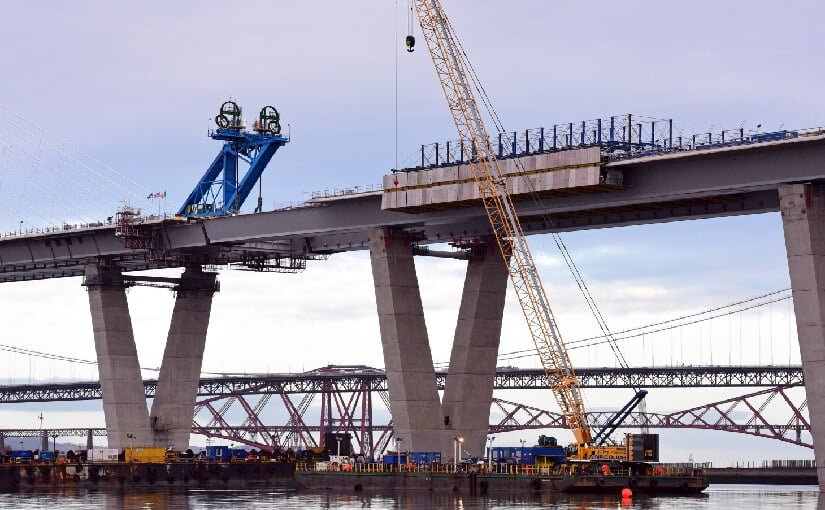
{"type": "Point", "coordinates": [718, 497]}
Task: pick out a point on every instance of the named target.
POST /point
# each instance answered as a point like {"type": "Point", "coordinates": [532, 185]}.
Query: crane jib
{"type": "Point", "coordinates": [451, 69]}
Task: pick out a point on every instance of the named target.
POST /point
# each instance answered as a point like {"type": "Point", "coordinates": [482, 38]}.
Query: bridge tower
{"type": "Point", "coordinates": [803, 216]}
{"type": "Point", "coordinates": [421, 420]}
{"type": "Point", "coordinates": [128, 421]}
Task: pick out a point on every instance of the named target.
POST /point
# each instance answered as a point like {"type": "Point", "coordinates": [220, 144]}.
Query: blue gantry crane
{"type": "Point", "coordinates": [220, 191]}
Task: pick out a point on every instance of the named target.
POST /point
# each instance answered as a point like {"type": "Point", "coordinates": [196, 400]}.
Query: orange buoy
{"type": "Point", "coordinates": [627, 493]}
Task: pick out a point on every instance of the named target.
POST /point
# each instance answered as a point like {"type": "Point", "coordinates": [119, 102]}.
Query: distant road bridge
{"type": "Point", "coordinates": [358, 378]}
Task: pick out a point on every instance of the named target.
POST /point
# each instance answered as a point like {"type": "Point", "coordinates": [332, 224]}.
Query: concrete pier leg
{"type": "Point", "coordinates": [471, 374]}
{"type": "Point", "coordinates": [416, 408]}
{"type": "Point", "coordinates": [803, 217]}
{"type": "Point", "coordinates": [124, 401]}
{"type": "Point", "coordinates": [2, 443]}
{"type": "Point", "coordinates": [44, 441]}
{"type": "Point", "coordinates": [171, 415]}
{"type": "Point", "coordinates": [90, 443]}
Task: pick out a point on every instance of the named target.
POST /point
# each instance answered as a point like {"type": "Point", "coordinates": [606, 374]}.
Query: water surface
{"type": "Point", "coordinates": [717, 497]}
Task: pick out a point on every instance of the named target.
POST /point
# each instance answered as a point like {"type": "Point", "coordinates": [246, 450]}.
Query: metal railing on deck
{"type": "Point", "coordinates": [663, 470]}
{"type": "Point", "coordinates": [619, 137]}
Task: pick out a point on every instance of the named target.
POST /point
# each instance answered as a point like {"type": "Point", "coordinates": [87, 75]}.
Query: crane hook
{"type": "Point", "coordinates": [410, 40]}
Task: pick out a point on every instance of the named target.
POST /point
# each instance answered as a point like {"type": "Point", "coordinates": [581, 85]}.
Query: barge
{"type": "Point", "coordinates": [88, 475]}
{"type": "Point", "coordinates": [514, 479]}
{"type": "Point", "coordinates": [216, 467]}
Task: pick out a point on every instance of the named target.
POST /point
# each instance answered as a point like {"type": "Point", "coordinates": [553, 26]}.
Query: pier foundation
{"type": "Point", "coordinates": [803, 216]}
{"type": "Point", "coordinates": [413, 393]}
{"type": "Point", "coordinates": [470, 378]}
{"type": "Point", "coordinates": [171, 415]}
{"type": "Point", "coordinates": [124, 401]}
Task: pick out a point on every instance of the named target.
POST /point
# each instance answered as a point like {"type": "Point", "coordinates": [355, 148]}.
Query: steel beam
{"type": "Point", "coordinates": [506, 379]}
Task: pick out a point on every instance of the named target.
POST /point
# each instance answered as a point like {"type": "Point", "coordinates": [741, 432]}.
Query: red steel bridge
{"type": "Point", "coordinates": [242, 409]}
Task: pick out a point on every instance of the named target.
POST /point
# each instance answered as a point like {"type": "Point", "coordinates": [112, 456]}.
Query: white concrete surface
{"type": "Point", "coordinates": [124, 401]}
{"type": "Point", "coordinates": [470, 377]}
{"type": "Point", "coordinates": [803, 216]}
{"type": "Point", "coordinates": [171, 414]}
{"type": "Point", "coordinates": [416, 408]}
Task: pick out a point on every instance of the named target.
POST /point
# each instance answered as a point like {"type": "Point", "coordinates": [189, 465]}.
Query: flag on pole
{"type": "Point", "coordinates": [156, 195]}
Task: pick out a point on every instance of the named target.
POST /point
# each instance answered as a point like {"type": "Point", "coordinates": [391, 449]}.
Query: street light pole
{"type": "Point", "coordinates": [398, 451]}
{"type": "Point", "coordinates": [458, 440]}
{"type": "Point", "coordinates": [490, 453]}
{"type": "Point", "coordinates": [455, 453]}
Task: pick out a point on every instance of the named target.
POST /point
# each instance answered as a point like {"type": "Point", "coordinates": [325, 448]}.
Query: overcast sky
{"type": "Point", "coordinates": [135, 86]}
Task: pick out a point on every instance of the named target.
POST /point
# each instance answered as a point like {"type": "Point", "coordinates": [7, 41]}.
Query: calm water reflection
{"type": "Point", "coordinates": [731, 497]}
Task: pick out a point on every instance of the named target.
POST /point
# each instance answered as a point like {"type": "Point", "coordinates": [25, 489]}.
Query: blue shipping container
{"type": "Point", "coordinates": [47, 456]}
{"type": "Point", "coordinates": [425, 457]}
{"type": "Point", "coordinates": [217, 453]}
{"type": "Point", "coordinates": [548, 451]}
{"type": "Point", "coordinates": [526, 455]}
{"type": "Point", "coordinates": [20, 453]}
{"type": "Point", "coordinates": [393, 459]}
{"type": "Point", "coordinates": [239, 453]}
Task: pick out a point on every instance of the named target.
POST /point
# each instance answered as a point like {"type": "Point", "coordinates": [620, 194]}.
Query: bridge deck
{"type": "Point", "coordinates": [713, 182]}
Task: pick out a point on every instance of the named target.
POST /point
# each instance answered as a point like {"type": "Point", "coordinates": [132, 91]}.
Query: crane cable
{"type": "Point", "coordinates": [571, 265]}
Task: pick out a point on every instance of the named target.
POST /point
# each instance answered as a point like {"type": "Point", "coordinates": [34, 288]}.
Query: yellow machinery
{"type": "Point", "coordinates": [145, 455]}
{"type": "Point", "coordinates": [451, 67]}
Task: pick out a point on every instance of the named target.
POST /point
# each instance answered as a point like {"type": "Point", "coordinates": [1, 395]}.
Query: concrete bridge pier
{"type": "Point", "coordinates": [803, 216]}
{"type": "Point", "coordinates": [124, 401]}
{"type": "Point", "coordinates": [171, 415]}
{"type": "Point", "coordinates": [470, 378]}
{"type": "Point", "coordinates": [413, 393]}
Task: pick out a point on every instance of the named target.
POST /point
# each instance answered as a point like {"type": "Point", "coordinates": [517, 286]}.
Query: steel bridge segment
{"type": "Point", "coordinates": [373, 380]}
{"type": "Point", "coordinates": [691, 184]}
{"type": "Point", "coordinates": [720, 415]}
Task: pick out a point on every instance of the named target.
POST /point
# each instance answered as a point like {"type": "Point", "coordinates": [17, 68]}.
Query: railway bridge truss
{"type": "Point", "coordinates": [296, 410]}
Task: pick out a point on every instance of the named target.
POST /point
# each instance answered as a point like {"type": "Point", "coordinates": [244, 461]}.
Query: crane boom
{"type": "Point", "coordinates": [451, 69]}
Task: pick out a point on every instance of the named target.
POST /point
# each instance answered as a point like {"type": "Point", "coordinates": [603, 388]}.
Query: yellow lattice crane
{"type": "Point", "coordinates": [452, 70]}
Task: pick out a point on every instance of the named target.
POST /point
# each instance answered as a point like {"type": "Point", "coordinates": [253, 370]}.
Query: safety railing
{"type": "Point", "coordinates": [563, 469]}
{"type": "Point", "coordinates": [619, 137]}
{"type": "Point", "coordinates": [629, 133]}
{"type": "Point", "coordinates": [342, 192]}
